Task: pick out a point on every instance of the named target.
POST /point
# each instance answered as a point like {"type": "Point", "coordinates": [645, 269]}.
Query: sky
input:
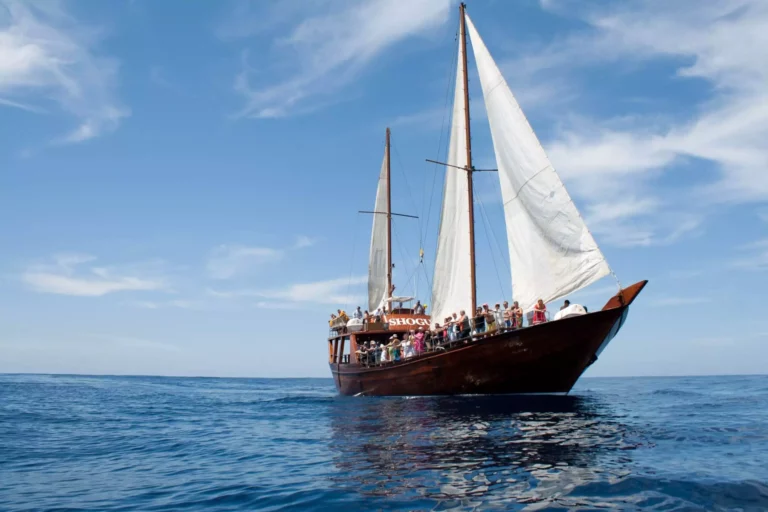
{"type": "Point", "coordinates": [180, 181]}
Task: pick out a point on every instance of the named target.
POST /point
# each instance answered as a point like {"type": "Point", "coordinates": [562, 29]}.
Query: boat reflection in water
{"type": "Point", "coordinates": [479, 451]}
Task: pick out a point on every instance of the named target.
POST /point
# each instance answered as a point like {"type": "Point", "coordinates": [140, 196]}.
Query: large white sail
{"type": "Point", "coordinates": [551, 251]}
{"type": "Point", "coordinates": [377, 263]}
{"type": "Point", "coordinates": [452, 286]}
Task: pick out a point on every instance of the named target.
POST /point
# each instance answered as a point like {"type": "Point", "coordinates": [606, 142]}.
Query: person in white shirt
{"type": "Point", "coordinates": [358, 313]}
{"type": "Point", "coordinates": [498, 313]}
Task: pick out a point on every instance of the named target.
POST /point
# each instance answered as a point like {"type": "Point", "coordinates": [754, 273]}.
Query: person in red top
{"type": "Point", "coordinates": [539, 312]}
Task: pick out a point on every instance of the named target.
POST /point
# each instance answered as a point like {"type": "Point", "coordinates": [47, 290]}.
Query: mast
{"type": "Point", "coordinates": [389, 226]}
{"type": "Point", "coordinates": [469, 170]}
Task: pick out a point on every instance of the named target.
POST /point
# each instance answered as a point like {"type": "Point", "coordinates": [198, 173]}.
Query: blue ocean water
{"type": "Point", "coordinates": [150, 443]}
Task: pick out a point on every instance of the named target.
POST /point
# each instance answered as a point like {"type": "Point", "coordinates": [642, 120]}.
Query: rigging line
{"type": "Point", "coordinates": [451, 66]}
{"type": "Point", "coordinates": [408, 188]}
{"type": "Point", "coordinates": [400, 248]}
{"type": "Point", "coordinates": [454, 62]}
{"type": "Point", "coordinates": [493, 258]}
{"type": "Point", "coordinates": [426, 277]}
{"type": "Point", "coordinates": [352, 262]}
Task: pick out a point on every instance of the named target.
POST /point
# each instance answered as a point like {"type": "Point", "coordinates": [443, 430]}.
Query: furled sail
{"type": "Point", "coordinates": [551, 251]}
{"type": "Point", "coordinates": [377, 263]}
{"type": "Point", "coordinates": [452, 286]}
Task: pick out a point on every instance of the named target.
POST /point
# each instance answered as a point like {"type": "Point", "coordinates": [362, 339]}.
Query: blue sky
{"type": "Point", "coordinates": [180, 181]}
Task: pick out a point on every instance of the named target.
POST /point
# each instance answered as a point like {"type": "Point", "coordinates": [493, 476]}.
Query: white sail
{"type": "Point", "coordinates": [377, 263]}
{"type": "Point", "coordinates": [452, 287]}
{"type": "Point", "coordinates": [551, 251]}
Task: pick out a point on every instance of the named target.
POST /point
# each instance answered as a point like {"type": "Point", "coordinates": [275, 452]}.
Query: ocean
{"type": "Point", "coordinates": [80, 443]}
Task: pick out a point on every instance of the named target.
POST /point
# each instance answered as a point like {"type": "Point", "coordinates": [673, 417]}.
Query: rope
{"type": "Point", "coordinates": [352, 262]}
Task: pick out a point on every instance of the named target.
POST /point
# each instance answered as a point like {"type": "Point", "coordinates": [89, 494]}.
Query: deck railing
{"type": "Point", "coordinates": [373, 358]}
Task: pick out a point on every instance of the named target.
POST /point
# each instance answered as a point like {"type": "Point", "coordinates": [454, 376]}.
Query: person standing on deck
{"type": "Point", "coordinates": [418, 341]}
{"type": "Point", "coordinates": [498, 316]}
{"type": "Point", "coordinates": [479, 321]}
{"type": "Point", "coordinates": [463, 324]}
{"type": "Point", "coordinates": [517, 315]}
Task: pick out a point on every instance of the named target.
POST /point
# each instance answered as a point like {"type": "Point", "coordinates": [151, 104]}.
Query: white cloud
{"type": "Point", "coordinates": [302, 242]}
{"type": "Point", "coordinates": [46, 56]}
{"type": "Point", "coordinates": [329, 49]}
{"type": "Point", "coordinates": [60, 277]}
{"type": "Point", "coordinates": [333, 291]}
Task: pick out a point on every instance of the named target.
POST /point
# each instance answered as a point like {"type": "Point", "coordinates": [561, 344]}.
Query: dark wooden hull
{"type": "Point", "coordinates": [546, 358]}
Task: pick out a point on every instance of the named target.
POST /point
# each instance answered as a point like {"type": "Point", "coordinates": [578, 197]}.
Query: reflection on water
{"type": "Point", "coordinates": [466, 452]}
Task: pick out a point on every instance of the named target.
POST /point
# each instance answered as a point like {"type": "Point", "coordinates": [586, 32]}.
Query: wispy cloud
{"type": "Point", "coordinates": [178, 303]}
{"type": "Point", "coordinates": [686, 274]}
{"type": "Point", "coordinates": [328, 45]}
{"type": "Point", "coordinates": [138, 343]}
{"type": "Point", "coordinates": [227, 261]}
{"type": "Point", "coordinates": [333, 291]}
{"type": "Point", "coordinates": [679, 301]}
{"type": "Point", "coordinates": [61, 277]}
{"type": "Point", "coordinates": [22, 106]}
{"type": "Point", "coordinates": [723, 44]}
{"type": "Point", "coordinates": [756, 260]}
{"type": "Point", "coordinates": [230, 260]}
{"type": "Point", "coordinates": [47, 56]}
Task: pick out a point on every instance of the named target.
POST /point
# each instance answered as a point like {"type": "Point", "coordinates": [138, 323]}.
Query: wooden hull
{"type": "Point", "coordinates": [546, 358]}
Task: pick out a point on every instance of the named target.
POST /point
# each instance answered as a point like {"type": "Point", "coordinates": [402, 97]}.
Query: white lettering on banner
{"type": "Point", "coordinates": [409, 321]}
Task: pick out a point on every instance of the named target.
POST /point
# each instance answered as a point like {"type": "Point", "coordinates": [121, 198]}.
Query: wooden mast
{"type": "Point", "coordinates": [469, 170]}
{"type": "Point", "coordinates": [389, 228]}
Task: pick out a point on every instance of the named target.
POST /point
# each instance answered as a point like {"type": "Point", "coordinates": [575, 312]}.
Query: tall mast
{"type": "Point", "coordinates": [469, 170]}
{"type": "Point", "coordinates": [389, 227]}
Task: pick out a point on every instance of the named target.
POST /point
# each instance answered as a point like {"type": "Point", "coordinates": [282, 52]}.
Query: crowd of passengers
{"type": "Point", "coordinates": [456, 328]}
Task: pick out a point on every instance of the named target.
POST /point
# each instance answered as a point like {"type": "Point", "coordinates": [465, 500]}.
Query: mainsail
{"type": "Point", "coordinates": [452, 284]}
{"type": "Point", "coordinates": [551, 251]}
{"type": "Point", "coordinates": [377, 263]}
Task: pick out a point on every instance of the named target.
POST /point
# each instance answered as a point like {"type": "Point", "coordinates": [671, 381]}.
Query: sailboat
{"type": "Point", "coordinates": [551, 251]}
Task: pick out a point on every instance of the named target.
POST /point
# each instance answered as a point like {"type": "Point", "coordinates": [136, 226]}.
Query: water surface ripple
{"type": "Point", "coordinates": [78, 443]}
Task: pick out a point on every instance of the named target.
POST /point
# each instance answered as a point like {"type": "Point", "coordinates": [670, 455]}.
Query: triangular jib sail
{"type": "Point", "coordinates": [551, 251]}
{"type": "Point", "coordinates": [452, 286]}
{"type": "Point", "coordinates": [377, 263]}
